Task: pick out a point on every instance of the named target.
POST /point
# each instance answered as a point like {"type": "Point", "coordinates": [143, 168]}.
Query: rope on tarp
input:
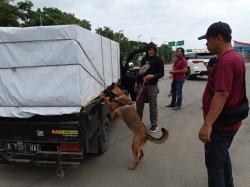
{"type": "Point", "coordinates": [38, 66]}
{"type": "Point", "coordinates": [102, 63]}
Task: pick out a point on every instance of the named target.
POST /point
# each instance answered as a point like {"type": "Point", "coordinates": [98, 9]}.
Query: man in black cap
{"type": "Point", "coordinates": [224, 89]}
{"type": "Point", "coordinates": [152, 69]}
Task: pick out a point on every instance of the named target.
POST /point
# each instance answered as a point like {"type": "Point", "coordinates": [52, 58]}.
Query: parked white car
{"type": "Point", "coordinates": [197, 64]}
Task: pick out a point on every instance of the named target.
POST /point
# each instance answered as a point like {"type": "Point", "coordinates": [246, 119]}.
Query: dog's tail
{"type": "Point", "coordinates": [160, 140]}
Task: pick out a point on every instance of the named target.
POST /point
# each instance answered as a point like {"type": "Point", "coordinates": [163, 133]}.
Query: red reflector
{"type": "Point", "coordinates": [197, 61]}
{"type": "Point", "coordinates": [70, 147]}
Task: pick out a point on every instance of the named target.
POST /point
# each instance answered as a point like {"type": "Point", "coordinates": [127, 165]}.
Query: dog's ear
{"type": "Point", "coordinates": [112, 96]}
{"type": "Point", "coordinates": [107, 91]}
{"type": "Point", "coordinates": [103, 97]}
{"type": "Point", "coordinates": [119, 83]}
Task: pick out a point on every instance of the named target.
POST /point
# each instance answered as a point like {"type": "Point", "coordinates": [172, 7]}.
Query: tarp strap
{"type": "Point", "coordinates": [92, 63]}
{"type": "Point", "coordinates": [37, 66]}
{"type": "Point", "coordinates": [103, 64]}
{"type": "Point", "coordinates": [111, 60]}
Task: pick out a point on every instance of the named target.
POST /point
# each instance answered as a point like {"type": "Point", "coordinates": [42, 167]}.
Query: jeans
{"type": "Point", "coordinates": [217, 159]}
{"type": "Point", "coordinates": [176, 88]}
{"type": "Point", "coordinates": [148, 94]}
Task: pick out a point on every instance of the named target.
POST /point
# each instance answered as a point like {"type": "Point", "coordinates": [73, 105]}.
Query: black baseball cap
{"type": "Point", "coordinates": [218, 28]}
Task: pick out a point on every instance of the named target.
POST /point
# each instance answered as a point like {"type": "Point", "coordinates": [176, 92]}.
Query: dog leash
{"type": "Point", "coordinates": [139, 95]}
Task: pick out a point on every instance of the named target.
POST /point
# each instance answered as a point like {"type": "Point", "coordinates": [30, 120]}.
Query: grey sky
{"type": "Point", "coordinates": [160, 20]}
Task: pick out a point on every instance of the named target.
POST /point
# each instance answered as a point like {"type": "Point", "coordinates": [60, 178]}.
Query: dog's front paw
{"type": "Point", "coordinates": [103, 98]}
{"type": "Point", "coordinates": [131, 167]}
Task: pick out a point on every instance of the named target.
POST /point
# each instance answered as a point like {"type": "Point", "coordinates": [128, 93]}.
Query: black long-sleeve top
{"type": "Point", "coordinates": [156, 68]}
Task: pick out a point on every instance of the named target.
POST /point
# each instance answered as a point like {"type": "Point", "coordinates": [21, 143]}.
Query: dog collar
{"type": "Point", "coordinates": [118, 94]}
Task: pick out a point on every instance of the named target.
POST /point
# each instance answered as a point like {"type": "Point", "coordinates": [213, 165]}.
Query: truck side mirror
{"type": "Point", "coordinates": [131, 65]}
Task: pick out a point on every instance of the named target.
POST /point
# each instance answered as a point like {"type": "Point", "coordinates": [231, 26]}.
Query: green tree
{"type": "Point", "coordinates": [12, 15]}
{"type": "Point", "coordinates": [24, 10]}
{"type": "Point", "coordinates": [125, 46]}
{"type": "Point", "coordinates": [106, 32]}
{"type": "Point", "coordinates": [8, 14]}
{"type": "Point", "coordinates": [166, 53]}
{"type": "Point", "coordinates": [54, 16]}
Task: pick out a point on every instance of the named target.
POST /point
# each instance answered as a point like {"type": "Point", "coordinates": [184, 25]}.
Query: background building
{"type": "Point", "coordinates": [243, 49]}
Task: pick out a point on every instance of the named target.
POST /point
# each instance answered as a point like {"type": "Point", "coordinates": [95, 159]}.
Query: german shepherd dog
{"type": "Point", "coordinates": [119, 103]}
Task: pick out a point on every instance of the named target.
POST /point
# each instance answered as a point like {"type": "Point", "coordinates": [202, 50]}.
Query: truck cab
{"type": "Point", "coordinates": [130, 73]}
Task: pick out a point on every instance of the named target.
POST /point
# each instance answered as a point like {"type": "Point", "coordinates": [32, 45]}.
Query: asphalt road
{"type": "Point", "coordinates": [177, 163]}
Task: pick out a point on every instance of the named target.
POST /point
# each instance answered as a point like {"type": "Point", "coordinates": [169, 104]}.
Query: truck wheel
{"type": "Point", "coordinates": [103, 136]}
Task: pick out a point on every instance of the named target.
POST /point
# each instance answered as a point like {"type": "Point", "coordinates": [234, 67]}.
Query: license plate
{"type": "Point", "coordinates": [22, 147]}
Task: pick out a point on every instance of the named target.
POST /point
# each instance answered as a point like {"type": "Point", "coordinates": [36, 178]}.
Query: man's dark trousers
{"type": "Point", "coordinates": [148, 94]}
{"type": "Point", "coordinates": [176, 87]}
{"type": "Point", "coordinates": [218, 161]}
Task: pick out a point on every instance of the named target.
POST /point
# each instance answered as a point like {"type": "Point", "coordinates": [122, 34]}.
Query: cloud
{"type": "Point", "coordinates": [162, 20]}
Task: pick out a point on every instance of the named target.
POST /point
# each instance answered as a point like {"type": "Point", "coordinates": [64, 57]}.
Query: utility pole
{"type": "Point", "coordinates": [120, 34]}
{"type": "Point", "coordinates": [41, 22]}
{"type": "Point", "coordinates": [138, 40]}
{"type": "Point", "coordinates": [163, 51]}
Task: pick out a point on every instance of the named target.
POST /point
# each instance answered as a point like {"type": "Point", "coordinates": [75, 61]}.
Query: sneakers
{"type": "Point", "coordinates": [170, 105]}
{"type": "Point", "coordinates": [177, 108]}
{"type": "Point", "coordinates": [153, 129]}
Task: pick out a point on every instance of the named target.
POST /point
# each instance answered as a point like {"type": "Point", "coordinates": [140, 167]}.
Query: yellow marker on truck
{"type": "Point", "coordinates": [71, 132]}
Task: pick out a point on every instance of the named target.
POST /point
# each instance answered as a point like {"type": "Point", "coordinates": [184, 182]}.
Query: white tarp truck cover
{"type": "Point", "coordinates": [53, 70]}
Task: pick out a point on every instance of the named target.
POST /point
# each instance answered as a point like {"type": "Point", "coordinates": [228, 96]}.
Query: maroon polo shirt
{"type": "Point", "coordinates": [226, 76]}
{"type": "Point", "coordinates": [180, 64]}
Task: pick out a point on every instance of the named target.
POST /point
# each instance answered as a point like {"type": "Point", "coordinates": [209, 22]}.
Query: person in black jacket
{"type": "Point", "coordinates": [152, 69]}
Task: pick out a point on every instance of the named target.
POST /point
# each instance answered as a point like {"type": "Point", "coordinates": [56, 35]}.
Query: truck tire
{"type": "Point", "coordinates": [103, 136]}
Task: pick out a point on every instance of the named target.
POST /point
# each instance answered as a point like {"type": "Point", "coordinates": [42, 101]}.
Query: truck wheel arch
{"type": "Point", "coordinates": [103, 136]}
